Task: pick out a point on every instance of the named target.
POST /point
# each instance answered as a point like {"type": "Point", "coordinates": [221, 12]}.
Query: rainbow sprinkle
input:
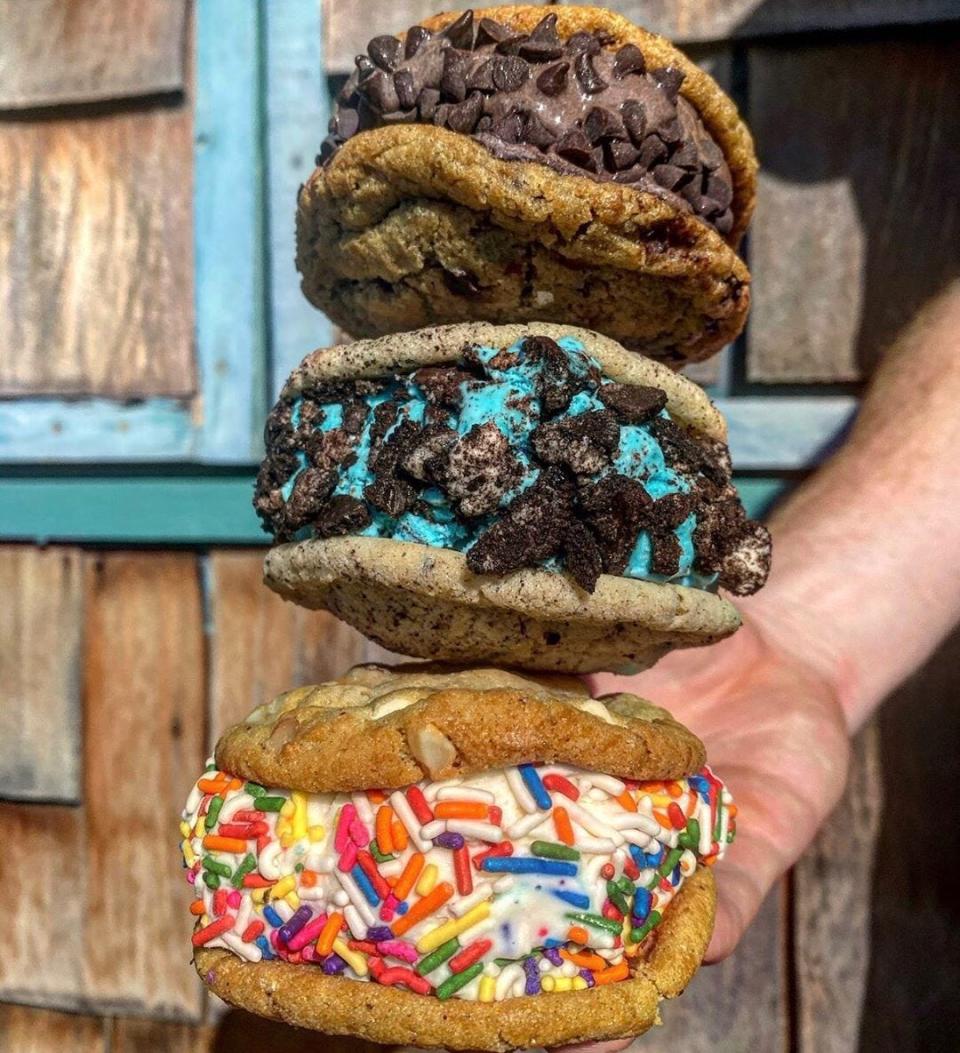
{"type": "Point", "coordinates": [533, 879]}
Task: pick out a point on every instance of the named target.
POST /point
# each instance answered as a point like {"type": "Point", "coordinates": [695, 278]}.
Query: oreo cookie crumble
{"type": "Point", "coordinates": [523, 456]}
{"type": "Point", "coordinates": [579, 105]}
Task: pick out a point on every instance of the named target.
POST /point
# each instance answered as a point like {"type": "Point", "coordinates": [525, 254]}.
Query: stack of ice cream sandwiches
{"type": "Point", "coordinates": [470, 851]}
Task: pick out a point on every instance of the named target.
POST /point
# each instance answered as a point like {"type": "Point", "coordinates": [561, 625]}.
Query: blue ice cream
{"type": "Point", "coordinates": [503, 388]}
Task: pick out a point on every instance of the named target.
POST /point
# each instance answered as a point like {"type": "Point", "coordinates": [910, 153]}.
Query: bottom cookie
{"type": "Point", "coordinates": [303, 996]}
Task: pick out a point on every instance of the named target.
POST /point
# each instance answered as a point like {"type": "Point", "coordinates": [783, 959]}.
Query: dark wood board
{"type": "Point", "coordinates": [858, 220]}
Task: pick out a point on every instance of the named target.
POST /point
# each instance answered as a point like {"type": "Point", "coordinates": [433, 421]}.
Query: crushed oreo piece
{"type": "Point", "coordinates": [441, 384]}
{"type": "Point", "coordinates": [341, 515]}
{"type": "Point", "coordinates": [481, 467]}
{"type": "Point", "coordinates": [615, 508]}
{"type": "Point", "coordinates": [584, 444]}
{"type": "Point", "coordinates": [556, 381]}
{"type": "Point", "coordinates": [582, 556]}
{"type": "Point", "coordinates": [425, 458]}
{"type": "Point", "coordinates": [632, 403]}
{"type": "Point", "coordinates": [531, 529]}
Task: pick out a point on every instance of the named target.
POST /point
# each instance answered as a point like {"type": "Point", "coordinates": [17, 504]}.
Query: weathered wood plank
{"type": "Point", "coordinates": [130, 1035]}
{"type": "Point", "coordinates": [348, 26]}
{"type": "Point", "coordinates": [62, 51]}
{"type": "Point", "coordinates": [857, 223]}
{"type": "Point", "coordinates": [228, 229]}
{"type": "Point", "coordinates": [41, 629]}
{"type": "Point", "coordinates": [695, 20]}
{"type": "Point", "coordinates": [831, 911]}
{"type": "Point", "coordinates": [45, 854]}
{"type": "Point", "coordinates": [95, 255]}
{"type": "Point", "coordinates": [262, 645]}
{"type": "Point", "coordinates": [65, 430]}
{"type": "Point", "coordinates": [145, 692]}
{"type": "Point", "coordinates": [297, 114]}
{"type": "Point", "coordinates": [27, 1030]}
{"type": "Point", "coordinates": [911, 998]}
{"type": "Point", "coordinates": [740, 1004]}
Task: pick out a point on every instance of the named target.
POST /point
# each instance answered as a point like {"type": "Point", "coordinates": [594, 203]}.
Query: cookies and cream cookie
{"type": "Point", "coordinates": [529, 495]}
{"type": "Point", "coordinates": [512, 164]}
{"type": "Point", "coordinates": [377, 856]}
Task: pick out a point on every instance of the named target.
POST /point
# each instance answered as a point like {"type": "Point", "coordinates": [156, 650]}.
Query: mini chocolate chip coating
{"type": "Point", "coordinates": [576, 104]}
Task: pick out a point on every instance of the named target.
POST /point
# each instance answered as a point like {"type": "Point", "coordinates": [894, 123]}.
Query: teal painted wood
{"type": "Point", "coordinates": [55, 430]}
{"type": "Point", "coordinates": [297, 114]}
{"type": "Point", "coordinates": [770, 434]}
{"type": "Point", "coordinates": [224, 425]}
{"type": "Point", "coordinates": [229, 229]}
{"type": "Point", "coordinates": [195, 510]}
{"type": "Point", "coordinates": [166, 509]}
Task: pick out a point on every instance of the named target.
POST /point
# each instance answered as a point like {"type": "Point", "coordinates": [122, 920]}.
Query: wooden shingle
{"type": "Point", "coordinates": [857, 222]}
{"type": "Point", "coordinates": [96, 252]}
{"type": "Point", "coordinates": [68, 51]}
{"type": "Point", "coordinates": [41, 630]}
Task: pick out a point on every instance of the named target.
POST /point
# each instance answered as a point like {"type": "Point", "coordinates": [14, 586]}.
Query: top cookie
{"type": "Point", "coordinates": [384, 728]}
{"type": "Point", "coordinates": [512, 165]}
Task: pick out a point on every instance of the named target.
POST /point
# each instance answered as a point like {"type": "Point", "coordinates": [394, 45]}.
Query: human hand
{"type": "Point", "coordinates": [774, 732]}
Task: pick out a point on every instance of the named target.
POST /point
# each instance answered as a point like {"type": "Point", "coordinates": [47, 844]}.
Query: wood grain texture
{"type": "Point", "coordinates": [348, 26]}
{"type": "Point", "coordinates": [696, 20]}
{"type": "Point", "coordinates": [45, 854]}
{"type": "Point", "coordinates": [831, 911]}
{"type": "Point", "coordinates": [297, 114]}
{"type": "Point", "coordinates": [41, 629]}
{"type": "Point", "coordinates": [911, 999]}
{"type": "Point", "coordinates": [261, 645]}
{"type": "Point", "coordinates": [64, 51]}
{"type": "Point", "coordinates": [228, 229]}
{"type": "Point", "coordinates": [145, 692]}
{"type": "Point", "coordinates": [129, 1035]}
{"type": "Point", "coordinates": [27, 1030]}
{"type": "Point", "coordinates": [94, 892]}
{"type": "Point", "coordinates": [95, 255]}
{"type": "Point", "coordinates": [739, 1005]}
{"type": "Point", "coordinates": [858, 222]}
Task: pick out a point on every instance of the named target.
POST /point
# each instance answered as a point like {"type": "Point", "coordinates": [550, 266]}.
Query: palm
{"type": "Point", "coordinates": [775, 733]}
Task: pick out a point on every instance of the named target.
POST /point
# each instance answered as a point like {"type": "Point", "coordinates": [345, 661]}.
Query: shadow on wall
{"type": "Point", "coordinates": [859, 140]}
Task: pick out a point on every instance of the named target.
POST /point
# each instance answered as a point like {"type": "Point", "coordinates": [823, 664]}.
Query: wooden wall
{"type": "Point", "coordinates": [120, 665]}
